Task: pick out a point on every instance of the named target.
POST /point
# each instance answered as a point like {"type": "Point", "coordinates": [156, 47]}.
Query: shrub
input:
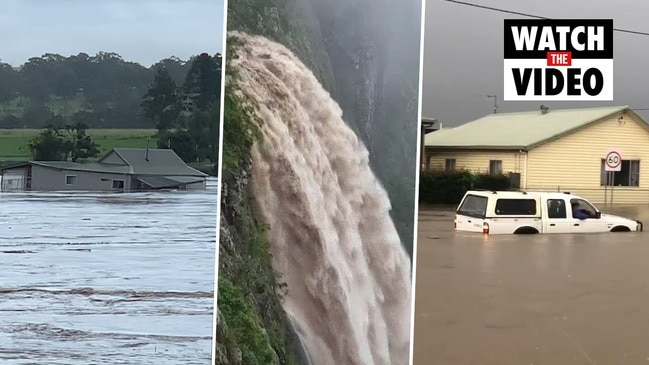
{"type": "Point", "coordinates": [491, 182]}
{"type": "Point", "coordinates": [448, 187]}
{"type": "Point", "coordinates": [441, 187]}
{"type": "Point", "coordinates": [245, 328]}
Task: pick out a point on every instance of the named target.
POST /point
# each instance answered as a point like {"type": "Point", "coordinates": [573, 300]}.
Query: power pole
{"type": "Point", "coordinates": [495, 102]}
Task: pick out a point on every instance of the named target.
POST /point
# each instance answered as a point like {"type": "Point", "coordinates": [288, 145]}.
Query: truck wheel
{"type": "Point", "coordinates": [526, 230]}
{"type": "Point", "coordinates": [620, 229]}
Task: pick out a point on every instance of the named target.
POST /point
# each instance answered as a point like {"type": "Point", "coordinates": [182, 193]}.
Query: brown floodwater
{"type": "Point", "coordinates": [531, 299]}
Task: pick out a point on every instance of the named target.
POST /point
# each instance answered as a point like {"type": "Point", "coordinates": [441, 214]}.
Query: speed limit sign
{"type": "Point", "coordinates": [613, 161]}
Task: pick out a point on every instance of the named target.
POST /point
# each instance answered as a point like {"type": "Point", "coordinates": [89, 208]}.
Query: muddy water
{"type": "Point", "coordinates": [107, 278]}
{"type": "Point", "coordinates": [542, 299]}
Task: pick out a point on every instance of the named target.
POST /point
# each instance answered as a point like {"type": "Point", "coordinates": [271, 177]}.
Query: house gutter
{"type": "Point", "coordinates": [477, 148]}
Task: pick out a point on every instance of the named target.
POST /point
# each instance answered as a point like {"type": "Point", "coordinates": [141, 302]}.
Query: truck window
{"type": "Point", "coordinates": [557, 209]}
{"type": "Point", "coordinates": [584, 205]}
{"type": "Point", "coordinates": [516, 207]}
{"type": "Point", "coordinates": [473, 206]}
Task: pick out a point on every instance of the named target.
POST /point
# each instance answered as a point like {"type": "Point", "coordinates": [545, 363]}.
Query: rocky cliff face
{"type": "Point", "coordinates": [366, 54]}
{"type": "Point", "coordinates": [368, 60]}
{"type": "Point", "coordinates": [252, 326]}
{"type": "Point", "coordinates": [373, 47]}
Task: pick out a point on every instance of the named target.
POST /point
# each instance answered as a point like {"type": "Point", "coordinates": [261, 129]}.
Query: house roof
{"type": "Point", "coordinates": [522, 130]}
{"type": "Point", "coordinates": [90, 167]}
{"type": "Point", "coordinates": [156, 162]}
{"type": "Point", "coordinates": [158, 182]}
{"type": "Point", "coordinates": [161, 162]}
{"type": "Point", "coordinates": [74, 166]}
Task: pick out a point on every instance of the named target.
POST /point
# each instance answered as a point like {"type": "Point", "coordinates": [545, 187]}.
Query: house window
{"type": "Point", "coordinates": [629, 174]}
{"type": "Point", "coordinates": [496, 167]}
{"type": "Point", "coordinates": [118, 184]}
{"type": "Point", "coordinates": [450, 164]}
{"type": "Point", "coordinates": [70, 180]}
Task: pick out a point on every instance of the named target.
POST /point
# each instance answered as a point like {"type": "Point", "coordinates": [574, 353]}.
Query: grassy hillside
{"type": "Point", "coordinates": [102, 90]}
{"type": "Point", "coordinates": [59, 106]}
{"type": "Point", "coordinates": [13, 142]}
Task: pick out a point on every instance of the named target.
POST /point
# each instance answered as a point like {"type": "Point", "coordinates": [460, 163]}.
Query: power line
{"type": "Point", "coordinates": [532, 15]}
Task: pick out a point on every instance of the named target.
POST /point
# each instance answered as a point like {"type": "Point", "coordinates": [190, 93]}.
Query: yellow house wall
{"type": "Point", "coordinates": [573, 163]}
{"type": "Point", "coordinates": [478, 161]}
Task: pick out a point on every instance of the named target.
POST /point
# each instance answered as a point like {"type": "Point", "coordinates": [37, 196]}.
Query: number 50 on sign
{"type": "Point", "coordinates": [613, 161]}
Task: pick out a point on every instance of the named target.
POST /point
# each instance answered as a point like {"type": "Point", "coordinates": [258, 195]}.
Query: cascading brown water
{"type": "Point", "coordinates": [332, 237]}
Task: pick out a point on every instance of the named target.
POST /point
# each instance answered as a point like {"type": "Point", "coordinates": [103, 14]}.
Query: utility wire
{"type": "Point", "coordinates": [532, 15]}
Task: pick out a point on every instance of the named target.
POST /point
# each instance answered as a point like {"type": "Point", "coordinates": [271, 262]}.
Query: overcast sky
{"type": "Point", "coordinates": [463, 55]}
{"type": "Point", "coordinates": [143, 31]}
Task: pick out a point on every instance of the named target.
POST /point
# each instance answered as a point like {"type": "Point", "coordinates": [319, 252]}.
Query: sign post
{"type": "Point", "coordinates": [612, 163]}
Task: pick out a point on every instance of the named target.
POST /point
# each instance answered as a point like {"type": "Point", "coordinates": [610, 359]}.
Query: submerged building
{"type": "Point", "coordinates": [552, 150]}
{"type": "Point", "coordinates": [122, 170]}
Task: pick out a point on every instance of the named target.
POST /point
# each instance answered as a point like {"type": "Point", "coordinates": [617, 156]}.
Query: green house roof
{"type": "Point", "coordinates": [522, 130]}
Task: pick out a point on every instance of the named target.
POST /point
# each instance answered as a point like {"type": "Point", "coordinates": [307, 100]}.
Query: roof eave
{"type": "Point", "coordinates": [81, 169]}
{"type": "Point", "coordinates": [196, 174]}
{"type": "Point", "coordinates": [619, 111]}
{"type": "Point", "coordinates": [622, 110]}
{"type": "Point", "coordinates": [479, 147]}
{"type": "Point", "coordinates": [16, 165]}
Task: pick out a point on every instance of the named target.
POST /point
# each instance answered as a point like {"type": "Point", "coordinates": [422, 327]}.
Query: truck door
{"type": "Point", "coordinates": [557, 217]}
{"type": "Point", "coordinates": [588, 225]}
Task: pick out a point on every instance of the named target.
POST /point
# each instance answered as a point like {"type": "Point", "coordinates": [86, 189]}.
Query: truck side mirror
{"type": "Point", "coordinates": [598, 215]}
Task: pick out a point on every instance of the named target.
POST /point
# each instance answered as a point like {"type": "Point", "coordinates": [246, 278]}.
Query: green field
{"type": "Point", "coordinates": [13, 142]}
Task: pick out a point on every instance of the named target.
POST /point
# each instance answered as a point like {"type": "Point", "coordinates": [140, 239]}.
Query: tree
{"type": "Point", "coordinates": [182, 142]}
{"type": "Point", "coordinates": [104, 84]}
{"type": "Point", "coordinates": [35, 115]}
{"type": "Point", "coordinates": [48, 145]}
{"type": "Point", "coordinates": [203, 81]}
{"type": "Point", "coordinates": [79, 145]}
{"type": "Point", "coordinates": [176, 68]}
{"type": "Point", "coordinates": [212, 117]}
{"type": "Point", "coordinates": [8, 83]}
{"type": "Point", "coordinates": [70, 142]}
{"type": "Point", "coordinates": [160, 103]}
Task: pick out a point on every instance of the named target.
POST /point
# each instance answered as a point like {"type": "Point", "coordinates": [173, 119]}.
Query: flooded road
{"type": "Point", "coordinates": [532, 299]}
{"type": "Point", "coordinates": [107, 278]}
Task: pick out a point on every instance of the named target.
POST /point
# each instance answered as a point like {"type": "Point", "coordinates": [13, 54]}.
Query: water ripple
{"type": "Point", "coordinates": [107, 278]}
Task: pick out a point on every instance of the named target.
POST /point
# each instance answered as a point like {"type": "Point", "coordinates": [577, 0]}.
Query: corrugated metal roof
{"type": "Point", "coordinates": [159, 182]}
{"type": "Point", "coordinates": [90, 167]}
{"type": "Point", "coordinates": [436, 135]}
{"type": "Point", "coordinates": [186, 179]}
{"type": "Point", "coordinates": [523, 130]}
{"type": "Point", "coordinates": [159, 162]}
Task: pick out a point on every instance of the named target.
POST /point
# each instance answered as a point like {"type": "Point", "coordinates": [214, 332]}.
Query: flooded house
{"type": "Point", "coordinates": [122, 170]}
{"type": "Point", "coordinates": [553, 150]}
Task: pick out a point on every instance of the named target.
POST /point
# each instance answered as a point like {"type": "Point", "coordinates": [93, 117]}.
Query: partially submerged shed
{"type": "Point", "coordinates": [122, 169]}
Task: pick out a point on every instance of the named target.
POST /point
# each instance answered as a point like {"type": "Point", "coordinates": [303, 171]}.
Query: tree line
{"type": "Point", "coordinates": [103, 90]}
{"type": "Point", "coordinates": [185, 114]}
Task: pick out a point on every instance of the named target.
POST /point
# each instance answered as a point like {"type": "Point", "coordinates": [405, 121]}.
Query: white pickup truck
{"type": "Point", "coordinates": [513, 212]}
